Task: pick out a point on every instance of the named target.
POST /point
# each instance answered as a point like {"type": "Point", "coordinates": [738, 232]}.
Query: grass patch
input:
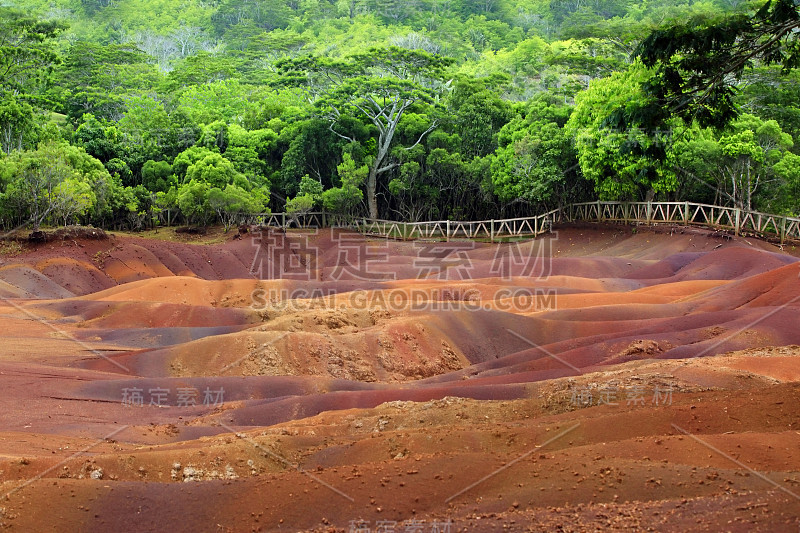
{"type": "Point", "coordinates": [10, 248]}
{"type": "Point", "coordinates": [212, 235]}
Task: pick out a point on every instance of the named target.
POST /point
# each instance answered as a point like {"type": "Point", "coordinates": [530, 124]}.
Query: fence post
{"type": "Point", "coordinates": [649, 211]}
{"type": "Point", "coordinates": [783, 230]}
{"type": "Point", "coordinates": [685, 213]}
{"type": "Point", "coordinates": [447, 235]}
{"type": "Point", "coordinates": [324, 222]}
{"type": "Point", "coordinates": [736, 223]}
{"type": "Point", "coordinates": [599, 213]}
{"type": "Point", "coordinates": [491, 231]}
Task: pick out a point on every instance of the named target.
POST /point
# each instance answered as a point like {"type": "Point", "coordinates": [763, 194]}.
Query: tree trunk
{"type": "Point", "coordinates": [384, 142]}
{"type": "Point", "coordinates": [372, 199]}
{"type": "Point", "coordinates": [749, 188]}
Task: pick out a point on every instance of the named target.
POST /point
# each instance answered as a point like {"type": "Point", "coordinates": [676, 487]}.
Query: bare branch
{"type": "Point", "coordinates": [432, 127]}
{"type": "Point", "coordinates": [388, 167]}
{"type": "Point", "coordinates": [345, 137]}
{"type": "Point", "coordinates": [332, 122]}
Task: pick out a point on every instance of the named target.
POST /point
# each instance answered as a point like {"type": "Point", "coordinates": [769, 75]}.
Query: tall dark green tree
{"type": "Point", "coordinates": [696, 64]}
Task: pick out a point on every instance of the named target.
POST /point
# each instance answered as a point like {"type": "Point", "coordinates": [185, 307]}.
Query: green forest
{"type": "Point", "coordinates": [131, 114]}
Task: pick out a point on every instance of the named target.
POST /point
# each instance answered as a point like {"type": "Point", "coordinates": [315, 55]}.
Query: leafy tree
{"type": "Point", "coordinates": [72, 198]}
{"type": "Point", "coordinates": [276, 108]}
{"type": "Point", "coordinates": [478, 115]}
{"type": "Point", "coordinates": [140, 207]}
{"type": "Point", "coordinates": [263, 49]}
{"type": "Point", "coordinates": [394, 11]}
{"type": "Point", "coordinates": [772, 94]}
{"type": "Point", "coordinates": [34, 191]}
{"type": "Point", "coordinates": [487, 34]}
{"type": "Point", "coordinates": [187, 158]}
{"type": "Point", "coordinates": [414, 189]}
{"type": "Point", "coordinates": [253, 153]}
{"type": "Point", "coordinates": [739, 162]}
{"type": "Point", "coordinates": [310, 195]}
{"type": "Point", "coordinates": [96, 79]}
{"type": "Point", "coordinates": [27, 58]}
{"type": "Point", "coordinates": [312, 149]}
{"type": "Point", "coordinates": [203, 67]}
{"type": "Point", "coordinates": [231, 203]}
{"type": "Point", "coordinates": [216, 171]}
{"type": "Point", "coordinates": [56, 180]}
{"type": "Point", "coordinates": [214, 136]}
{"type": "Point", "coordinates": [98, 138]}
{"type": "Point", "coordinates": [112, 199]}
{"type": "Point", "coordinates": [346, 198]}
{"type": "Point", "coordinates": [623, 163]}
{"type": "Point", "coordinates": [157, 176]}
{"type": "Point", "coordinates": [380, 85]}
{"type": "Point", "coordinates": [535, 165]}
{"type": "Point", "coordinates": [165, 203]}
{"type": "Point", "coordinates": [232, 15]}
{"type": "Point", "coordinates": [224, 100]}
{"type": "Point", "coordinates": [27, 51]}
{"type": "Point", "coordinates": [192, 199]}
{"type": "Point", "coordinates": [149, 131]}
{"type": "Point", "coordinates": [786, 196]}
{"type": "Point", "coordinates": [696, 62]}
{"type": "Point", "coordinates": [588, 58]}
{"type": "Point", "coordinates": [92, 6]}
{"type": "Point", "coordinates": [16, 123]}
{"type": "Point", "coordinates": [120, 168]}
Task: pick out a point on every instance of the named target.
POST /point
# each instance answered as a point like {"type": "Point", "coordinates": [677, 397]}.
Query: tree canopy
{"type": "Point", "coordinates": [697, 63]}
{"type": "Point", "coordinates": [389, 109]}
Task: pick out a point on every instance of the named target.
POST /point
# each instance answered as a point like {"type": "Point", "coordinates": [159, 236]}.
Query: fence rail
{"type": "Point", "coordinates": [715, 217]}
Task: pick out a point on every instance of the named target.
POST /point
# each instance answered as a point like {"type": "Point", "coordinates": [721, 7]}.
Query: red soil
{"type": "Point", "coordinates": [517, 386]}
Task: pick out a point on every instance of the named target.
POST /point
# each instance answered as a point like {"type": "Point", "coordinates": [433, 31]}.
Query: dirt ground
{"type": "Point", "coordinates": [600, 378]}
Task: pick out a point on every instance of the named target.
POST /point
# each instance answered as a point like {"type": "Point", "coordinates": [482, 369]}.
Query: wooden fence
{"type": "Point", "coordinates": [716, 217]}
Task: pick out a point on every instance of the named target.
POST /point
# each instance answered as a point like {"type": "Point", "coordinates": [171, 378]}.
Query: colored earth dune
{"type": "Point", "coordinates": [597, 378]}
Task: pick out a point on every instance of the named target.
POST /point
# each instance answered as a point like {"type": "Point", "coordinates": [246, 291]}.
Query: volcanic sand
{"type": "Point", "coordinates": [599, 378]}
